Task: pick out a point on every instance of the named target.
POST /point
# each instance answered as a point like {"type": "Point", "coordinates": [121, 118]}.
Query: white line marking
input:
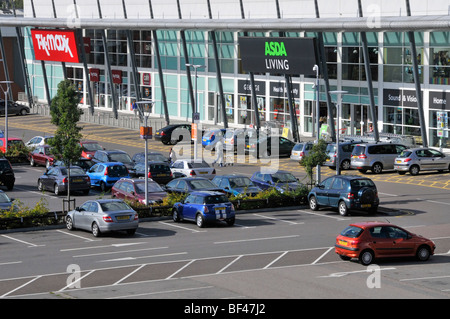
{"type": "Point", "coordinates": [103, 246]}
{"type": "Point", "coordinates": [141, 257]}
{"type": "Point", "coordinates": [322, 215]}
{"type": "Point", "coordinates": [254, 239]}
{"type": "Point", "coordinates": [25, 284]}
{"type": "Point", "coordinates": [276, 259]}
{"type": "Point", "coordinates": [130, 274]}
{"type": "Point", "coordinates": [184, 267]}
{"type": "Point", "coordinates": [22, 241]}
{"type": "Point", "coordinates": [69, 234]}
{"type": "Point", "coordinates": [282, 220]}
{"type": "Point", "coordinates": [321, 256]}
{"type": "Point", "coordinates": [185, 228]}
{"type": "Point", "coordinates": [11, 263]}
{"type": "Point", "coordinates": [78, 280]}
{"type": "Point", "coordinates": [162, 292]}
{"type": "Point", "coordinates": [119, 252]}
{"type": "Point", "coordinates": [234, 260]}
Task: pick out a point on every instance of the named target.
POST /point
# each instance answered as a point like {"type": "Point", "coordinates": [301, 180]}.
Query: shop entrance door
{"type": "Point", "coordinates": [361, 123]}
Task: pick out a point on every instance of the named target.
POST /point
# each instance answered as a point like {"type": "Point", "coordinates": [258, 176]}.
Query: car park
{"type": "Point", "coordinates": [106, 156]}
{"type": "Point", "coordinates": [134, 190]}
{"type": "Point", "coordinates": [38, 141]}
{"type": "Point", "coordinates": [281, 180]}
{"type": "Point", "coordinates": [204, 207]}
{"type": "Point", "coordinates": [368, 241]}
{"type": "Point", "coordinates": [105, 175]}
{"type": "Point", "coordinates": [6, 203]}
{"type": "Point", "coordinates": [160, 172]}
{"type": "Point", "coordinates": [345, 153]}
{"type": "Point", "coordinates": [300, 150]}
{"type": "Point", "coordinates": [7, 176]}
{"type": "Point", "coordinates": [88, 148]}
{"type": "Point", "coordinates": [42, 155]}
{"type": "Point", "coordinates": [173, 133]}
{"type": "Point", "coordinates": [211, 137]}
{"type": "Point", "coordinates": [262, 146]}
{"type": "Point", "coordinates": [191, 168]}
{"type": "Point", "coordinates": [14, 108]}
{"type": "Point", "coordinates": [151, 156]}
{"type": "Point", "coordinates": [416, 160]}
{"type": "Point", "coordinates": [346, 193]}
{"type": "Point", "coordinates": [236, 185]}
{"type": "Point", "coordinates": [375, 156]}
{"type": "Point", "coordinates": [103, 215]}
{"type": "Point", "coordinates": [191, 184]}
{"type": "Point", "coordinates": [56, 179]}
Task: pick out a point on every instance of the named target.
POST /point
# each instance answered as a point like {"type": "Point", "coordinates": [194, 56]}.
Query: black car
{"type": "Point", "coordinates": [14, 108]}
{"type": "Point", "coordinates": [262, 146]}
{"type": "Point", "coordinates": [107, 156]}
{"type": "Point", "coordinates": [7, 177]}
{"type": "Point", "coordinates": [84, 163]}
{"type": "Point", "coordinates": [191, 184]}
{"type": "Point", "coordinates": [173, 133]}
{"type": "Point", "coordinates": [346, 192]}
{"type": "Point", "coordinates": [158, 171]}
{"type": "Point", "coordinates": [152, 156]}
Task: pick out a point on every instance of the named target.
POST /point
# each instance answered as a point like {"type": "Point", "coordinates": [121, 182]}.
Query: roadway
{"type": "Point", "coordinates": [267, 254]}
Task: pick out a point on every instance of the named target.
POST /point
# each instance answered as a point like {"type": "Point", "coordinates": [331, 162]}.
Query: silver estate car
{"type": "Point", "coordinates": [375, 157]}
{"type": "Point", "coordinates": [415, 160]}
{"type": "Point", "coordinates": [103, 215]}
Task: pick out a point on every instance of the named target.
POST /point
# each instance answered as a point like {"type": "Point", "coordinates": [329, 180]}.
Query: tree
{"type": "Point", "coordinates": [316, 156]}
{"type": "Point", "coordinates": [65, 115]}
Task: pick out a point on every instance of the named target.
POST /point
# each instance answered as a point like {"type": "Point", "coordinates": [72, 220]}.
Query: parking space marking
{"type": "Point", "coordinates": [322, 215]}
{"type": "Point", "coordinates": [130, 274]}
{"type": "Point", "coordinates": [253, 239]}
{"type": "Point", "coordinates": [275, 260]}
{"type": "Point", "coordinates": [119, 252]}
{"type": "Point", "coordinates": [69, 234]}
{"type": "Point", "coordinates": [163, 292]}
{"type": "Point", "coordinates": [20, 287]}
{"type": "Point", "coordinates": [185, 228]}
{"type": "Point", "coordinates": [321, 256]}
{"type": "Point", "coordinates": [72, 284]}
{"type": "Point", "coordinates": [142, 257]}
{"type": "Point", "coordinates": [23, 242]}
{"type": "Point", "coordinates": [282, 220]}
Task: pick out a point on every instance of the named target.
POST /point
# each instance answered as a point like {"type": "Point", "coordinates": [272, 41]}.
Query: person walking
{"type": "Point", "coordinates": [219, 152]}
{"type": "Point", "coordinates": [172, 156]}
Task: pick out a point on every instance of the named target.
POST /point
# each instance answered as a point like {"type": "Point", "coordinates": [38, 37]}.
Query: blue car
{"type": "Point", "coordinates": [105, 175]}
{"type": "Point", "coordinates": [281, 180]}
{"type": "Point", "coordinates": [236, 185]}
{"type": "Point", "coordinates": [204, 207]}
{"type": "Point", "coordinates": [211, 136]}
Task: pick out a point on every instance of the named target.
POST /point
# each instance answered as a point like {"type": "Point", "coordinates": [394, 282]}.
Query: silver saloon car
{"type": "Point", "coordinates": [103, 215]}
{"type": "Point", "coordinates": [415, 160]}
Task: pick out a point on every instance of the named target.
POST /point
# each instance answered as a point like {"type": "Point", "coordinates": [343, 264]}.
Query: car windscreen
{"type": "Point", "coordinates": [283, 178]}
{"type": "Point", "coordinates": [240, 182]}
{"type": "Point", "coordinates": [4, 198]}
{"type": "Point", "coordinates": [352, 232]}
{"type": "Point", "coordinates": [202, 184]}
{"type": "Point", "coordinates": [298, 147]}
{"type": "Point", "coordinates": [331, 148]}
{"type": "Point", "coordinates": [216, 199]}
{"type": "Point", "coordinates": [92, 147]}
{"type": "Point", "coordinates": [156, 157]}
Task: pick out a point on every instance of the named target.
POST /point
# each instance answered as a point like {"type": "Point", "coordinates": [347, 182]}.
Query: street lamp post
{"type": "Point", "coordinates": [338, 114]}
{"type": "Point", "coordinates": [6, 110]}
{"type": "Point", "coordinates": [195, 66]}
{"type": "Point", "coordinates": [317, 87]}
{"type": "Point", "coordinates": [145, 114]}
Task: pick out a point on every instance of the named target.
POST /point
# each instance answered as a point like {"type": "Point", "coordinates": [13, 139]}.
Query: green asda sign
{"type": "Point", "coordinates": [278, 55]}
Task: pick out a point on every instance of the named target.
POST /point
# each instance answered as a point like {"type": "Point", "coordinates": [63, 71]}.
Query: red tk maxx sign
{"type": "Point", "coordinates": [55, 45]}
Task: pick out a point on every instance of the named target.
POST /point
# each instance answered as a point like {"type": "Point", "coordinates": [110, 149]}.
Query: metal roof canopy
{"type": "Point", "coordinates": [357, 24]}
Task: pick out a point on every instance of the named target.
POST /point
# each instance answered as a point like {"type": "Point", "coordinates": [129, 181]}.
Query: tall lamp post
{"type": "Point", "coordinates": [338, 115]}
{"type": "Point", "coordinates": [8, 83]}
{"type": "Point", "coordinates": [146, 135]}
{"type": "Point", "coordinates": [195, 115]}
{"type": "Point", "coordinates": [317, 87]}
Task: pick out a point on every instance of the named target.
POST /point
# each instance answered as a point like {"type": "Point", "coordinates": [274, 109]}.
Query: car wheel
{"type": "Point", "coordinates": [313, 203]}
{"type": "Point", "coordinates": [103, 187]}
{"type": "Point", "coordinates": [23, 112]}
{"type": "Point", "coordinates": [342, 208]}
{"type": "Point", "coordinates": [423, 253]}
{"type": "Point", "coordinates": [414, 170]}
{"type": "Point", "coordinates": [345, 165]}
{"type": "Point", "coordinates": [377, 168]}
{"type": "Point", "coordinates": [200, 220]}
{"type": "Point", "coordinates": [69, 223]}
{"type": "Point", "coordinates": [230, 221]}
{"type": "Point", "coordinates": [366, 257]}
{"type": "Point", "coordinates": [95, 230]}
{"type": "Point", "coordinates": [131, 232]}
{"type": "Point", "coordinates": [175, 216]}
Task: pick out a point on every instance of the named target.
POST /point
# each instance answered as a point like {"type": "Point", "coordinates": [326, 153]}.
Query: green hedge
{"type": "Point", "coordinates": [20, 216]}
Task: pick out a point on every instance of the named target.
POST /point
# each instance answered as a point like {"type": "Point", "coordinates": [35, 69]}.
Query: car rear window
{"type": "Point", "coordinates": [361, 182]}
{"type": "Point", "coordinates": [198, 165]}
{"type": "Point", "coordinates": [215, 199]}
{"type": "Point", "coordinates": [297, 147]}
{"type": "Point", "coordinates": [161, 168]}
{"type": "Point", "coordinates": [117, 171]}
{"type": "Point", "coordinates": [352, 232]}
{"type": "Point", "coordinates": [405, 154]}
{"type": "Point", "coordinates": [202, 183]}
{"type": "Point", "coordinates": [359, 150]}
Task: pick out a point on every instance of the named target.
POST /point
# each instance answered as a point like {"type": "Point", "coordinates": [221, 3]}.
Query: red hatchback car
{"type": "Point", "coordinates": [88, 148]}
{"type": "Point", "coordinates": [367, 241]}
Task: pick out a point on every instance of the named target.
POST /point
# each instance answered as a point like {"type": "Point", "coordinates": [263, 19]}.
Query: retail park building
{"type": "Point", "coordinates": [130, 50]}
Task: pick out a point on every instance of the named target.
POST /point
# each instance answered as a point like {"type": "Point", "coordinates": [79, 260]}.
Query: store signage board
{"type": "Point", "coordinates": [279, 55]}
{"type": "Point", "coordinates": [55, 45]}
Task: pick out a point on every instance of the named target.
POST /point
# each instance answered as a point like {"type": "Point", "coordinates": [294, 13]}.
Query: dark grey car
{"type": "Point", "coordinates": [345, 153]}
{"type": "Point", "coordinates": [56, 180]}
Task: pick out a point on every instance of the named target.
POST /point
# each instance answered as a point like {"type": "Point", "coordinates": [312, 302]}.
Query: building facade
{"type": "Point", "coordinates": [390, 55]}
